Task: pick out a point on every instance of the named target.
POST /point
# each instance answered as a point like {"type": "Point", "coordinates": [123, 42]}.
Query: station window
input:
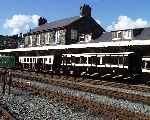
{"type": "Point", "coordinates": [74, 34]}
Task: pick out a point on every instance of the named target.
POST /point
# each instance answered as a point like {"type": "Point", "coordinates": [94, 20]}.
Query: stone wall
{"type": "Point", "coordinates": [46, 38]}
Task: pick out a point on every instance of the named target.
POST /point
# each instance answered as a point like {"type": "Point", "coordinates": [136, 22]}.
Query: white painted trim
{"type": "Point", "coordinates": [146, 59]}
{"type": "Point", "coordinates": [88, 45]}
{"type": "Point", "coordinates": [36, 57]}
{"type": "Point", "coordinates": [146, 70]}
{"type": "Point", "coordinates": [93, 65]}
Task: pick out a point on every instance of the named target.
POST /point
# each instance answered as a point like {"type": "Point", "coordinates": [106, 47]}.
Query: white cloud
{"type": "Point", "coordinates": [20, 23]}
{"type": "Point", "coordinates": [125, 22]}
{"type": "Point", "coordinates": [98, 21]}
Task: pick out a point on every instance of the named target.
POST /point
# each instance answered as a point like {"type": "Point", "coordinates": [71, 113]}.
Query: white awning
{"type": "Point", "coordinates": [87, 45]}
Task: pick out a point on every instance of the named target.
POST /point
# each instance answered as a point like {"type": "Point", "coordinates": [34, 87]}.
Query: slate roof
{"type": "Point", "coordinates": [141, 33]}
{"type": "Point", "coordinates": [56, 24]}
{"type": "Point", "coordinates": [105, 37]}
{"type": "Point", "coordinates": [138, 34]}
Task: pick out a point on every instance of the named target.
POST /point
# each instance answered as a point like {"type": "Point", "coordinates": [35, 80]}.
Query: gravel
{"type": "Point", "coordinates": [120, 103]}
{"type": "Point", "coordinates": [25, 106]}
{"type": "Point", "coordinates": [28, 107]}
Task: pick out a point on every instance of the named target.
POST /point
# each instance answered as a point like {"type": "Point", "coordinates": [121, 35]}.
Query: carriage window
{"type": "Point", "coordinates": [83, 60]}
{"type": "Point", "coordinates": [30, 59]}
{"type": "Point", "coordinates": [77, 59]}
{"type": "Point", "coordinates": [98, 60]}
{"type": "Point", "coordinates": [94, 60]}
{"type": "Point", "coordinates": [65, 59]}
{"type": "Point", "coordinates": [114, 60]}
{"type": "Point", "coordinates": [148, 64]}
{"type": "Point", "coordinates": [90, 60]}
{"type": "Point", "coordinates": [120, 60]}
{"type": "Point", "coordinates": [68, 60]}
{"type": "Point", "coordinates": [107, 60]}
{"type": "Point", "coordinates": [49, 60]}
{"type": "Point", "coordinates": [73, 59]}
{"type": "Point", "coordinates": [27, 59]}
{"type": "Point", "coordinates": [45, 59]}
{"type": "Point", "coordinates": [24, 59]}
{"type": "Point", "coordinates": [34, 59]}
{"type": "Point", "coordinates": [125, 61]}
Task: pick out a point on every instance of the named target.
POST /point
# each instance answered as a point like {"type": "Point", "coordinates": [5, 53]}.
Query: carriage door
{"type": "Point", "coordinates": [39, 64]}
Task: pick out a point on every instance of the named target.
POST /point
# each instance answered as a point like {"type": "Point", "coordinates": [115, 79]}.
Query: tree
{"type": "Point", "coordinates": [42, 21]}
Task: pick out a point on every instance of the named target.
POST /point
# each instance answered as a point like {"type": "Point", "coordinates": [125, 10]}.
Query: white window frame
{"type": "Point", "coordinates": [31, 37]}
{"type": "Point", "coordinates": [127, 34]}
{"type": "Point", "coordinates": [88, 38]}
{"type": "Point", "coordinates": [47, 38]}
{"type": "Point", "coordinates": [38, 39]}
{"type": "Point", "coordinates": [116, 37]}
{"type": "Point", "coordinates": [57, 37]}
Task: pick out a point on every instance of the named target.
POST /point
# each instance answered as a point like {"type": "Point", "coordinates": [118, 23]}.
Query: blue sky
{"type": "Point", "coordinates": [112, 14]}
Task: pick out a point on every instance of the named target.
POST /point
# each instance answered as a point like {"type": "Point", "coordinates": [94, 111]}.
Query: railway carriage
{"type": "Point", "coordinates": [123, 65]}
{"type": "Point", "coordinates": [36, 63]}
{"type": "Point", "coordinates": [146, 64]}
{"type": "Point", "coordinates": [114, 65]}
{"type": "Point", "coordinates": [7, 61]}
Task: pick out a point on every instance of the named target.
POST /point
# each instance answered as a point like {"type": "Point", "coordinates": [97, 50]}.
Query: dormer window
{"type": "Point", "coordinates": [88, 38]}
{"type": "Point", "coordinates": [85, 37]}
{"type": "Point", "coordinates": [119, 34]}
{"type": "Point", "coordinates": [116, 35]}
{"type": "Point", "coordinates": [122, 34]}
{"type": "Point", "coordinates": [127, 34]}
{"type": "Point", "coordinates": [82, 37]}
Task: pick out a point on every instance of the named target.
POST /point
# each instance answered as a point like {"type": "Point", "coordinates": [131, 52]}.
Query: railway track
{"type": "Point", "coordinates": [5, 115]}
{"type": "Point", "coordinates": [138, 87]}
{"type": "Point", "coordinates": [98, 87]}
{"type": "Point", "coordinates": [138, 93]}
{"type": "Point", "coordinates": [70, 97]}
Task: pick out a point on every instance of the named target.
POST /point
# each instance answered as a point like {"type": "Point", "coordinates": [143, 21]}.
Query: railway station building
{"type": "Point", "coordinates": [82, 34]}
{"type": "Point", "coordinates": [66, 31]}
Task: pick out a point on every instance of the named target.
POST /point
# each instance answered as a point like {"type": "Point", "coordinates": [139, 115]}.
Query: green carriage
{"type": "Point", "coordinates": [7, 62]}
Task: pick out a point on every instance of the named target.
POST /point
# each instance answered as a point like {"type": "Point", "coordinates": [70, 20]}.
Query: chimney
{"type": "Point", "coordinates": [42, 21]}
{"type": "Point", "coordinates": [85, 10]}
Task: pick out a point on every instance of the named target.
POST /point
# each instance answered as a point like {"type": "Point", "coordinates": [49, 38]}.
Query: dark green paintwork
{"type": "Point", "coordinates": [7, 62]}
